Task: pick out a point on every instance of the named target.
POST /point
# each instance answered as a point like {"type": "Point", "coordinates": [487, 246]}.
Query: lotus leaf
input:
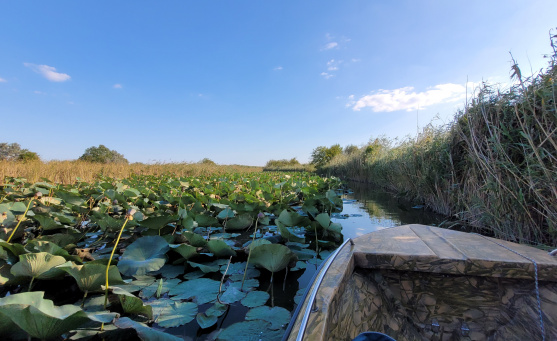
{"type": "Point", "coordinates": [157, 223]}
{"type": "Point", "coordinates": [289, 234]}
{"type": "Point", "coordinates": [134, 305]}
{"type": "Point", "coordinates": [231, 295]}
{"type": "Point", "coordinates": [203, 290]}
{"type": "Point", "coordinates": [176, 314]}
{"type": "Point", "coordinates": [145, 333]}
{"type": "Point", "coordinates": [273, 257]}
{"type": "Point", "coordinates": [206, 220]}
{"type": "Point", "coordinates": [90, 276]}
{"type": "Point", "coordinates": [249, 284]}
{"type": "Point", "coordinates": [240, 222]}
{"type": "Point", "coordinates": [140, 282]}
{"type": "Point", "coordinates": [292, 219]}
{"type": "Point", "coordinates": [40, 318]}
{"type": "Point", "coordinates": [186, 251]}
{"type": "Point", "coordinates": [216, 309]}
{"type": "Point", "coordinates": [167, 285]}
{"type": "Point", "coordinates": [53, 249]}
{"type": "Point", "coordinates": [47, 223]}
{"type": "Point", "coordinates": [205, 321]}
{"type": "Point", "coordinates": [250, 330]}
{"type": "Point", "coordinates": [256, 243]}
{"type": "Point", "coordinates": [41, 265]}
{"type": "Point", "coordinates": [206, 268]}
{"type": "Point", "coordinates": [220, 248]}
{"type": "Point", "coordinates": [225, 213]}
{"type": "Point", "coordinates": [144, 255]}
{"type": "Point", "coordinates": [195, 239]}
{"type": "Point", "coordinates": [169, 271]}
{"type": "Point", "coordinates": [255, 299]}
{"type": "Point", "coordinates": [277, 316]}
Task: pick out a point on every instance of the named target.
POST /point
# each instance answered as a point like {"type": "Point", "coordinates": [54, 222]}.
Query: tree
{"type": "Point", "coordinates": [9, 151]}
{"type": "Point", "coordinates": [207, 161]}
{"type": "Point", "coordinates": [102, 154]}
{"type": "Point", "coordinates": [13, 151]}
{"type": "Point", "coordinates": [27, 155]}
{"type": "Point", "coordinates": [351, 149]}
{"type": "Point", "coordinates": [322, 155]}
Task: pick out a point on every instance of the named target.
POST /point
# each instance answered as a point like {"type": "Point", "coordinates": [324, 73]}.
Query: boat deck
{"type": "Point", "coordinates": [420, 249]}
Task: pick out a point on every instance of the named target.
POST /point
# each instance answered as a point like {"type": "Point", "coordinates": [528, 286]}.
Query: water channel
{"type": "Point", "coordinates": [365, 209]}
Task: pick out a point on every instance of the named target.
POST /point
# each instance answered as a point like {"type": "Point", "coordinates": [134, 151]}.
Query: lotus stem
{"type": "Point", "coordinates": [249, 253]}
{"type": "Point", "coordinates": [31, 284]}
{"type": "Point", "coordinates": [222, 279]}
{"type": "Point", "coordinates": [129, 216]}
{"type": "Point", "coordinates": [20, 220]}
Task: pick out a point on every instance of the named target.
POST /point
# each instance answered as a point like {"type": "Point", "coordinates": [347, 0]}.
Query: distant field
{"type": "Point", "coordinates": [67, 172]}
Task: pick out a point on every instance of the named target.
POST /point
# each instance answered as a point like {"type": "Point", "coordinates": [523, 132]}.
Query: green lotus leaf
{"type": "Point", "coordinates": [257, 242]}
{"type": "Point", "coordinates": [292, 219]}
{"type": "Point", "coordinates": [195, 239]}
{"type": "Point", "coordinates": [131, 193]}
{"type": "Point", "coordinates": [139, 283]}
{"type": "Point", "coordinates": [90, 276]}
{"type": "Point", "coordinates": [216, 309]}
{"type": "Point", "coordinates": [144, 255]}
{"type": "Point", "coordinates": [249, 284]}
{"type": "Point", "coordinates": [255, 299]}
{"type": "Point", "coordinates": [205, 321]}
{"type": "Point", "coordinates": [46, 246]}
{"type": "Point", "coordinates": [250, 330]}
{"type": "Point", "coordinates": [70, 198]}
{"type": "Point", "coordinates": [299, 266]}
{"type": "Point", "coordinates": [41, 265]}
{"type": "Point", "coordinates": [166, 286]}
{"type": "Point", "coordinates": [186, 251]}
{"type": "Point", "coordinates": [240, 222]}
{"type": "Point", "coordinates": [273, 257]}
{"type": "Point", "coordinates": [157, 223]}
{"type": "Point", "coordinates": [225, 213]}
{"type": "Point", "coordinates": [289, 234]}
{"type": "Point", "coordinates": [323, 219]}
{"type": "Point", "coordinates": [40, 318]}
{"type": "Point", "coordinates": [277, 316]}
{"type": "Point", "coordinates": [231, 295]}
{"type": "Point", "coordinates": [176, 314]}
{"type": "Point", "coordinates": [206, 220]}
{"type": "Point", "coordinates": [145, 333]}
{"type": "Point", "coordinates": [107, 222]}
{"type": "Point", "coordinates": [47, 223]}
{"type": "Point", "coordinates": [134, 305]}
{"type": "Point", "coordinates": [220, 248]}
{"type": "Point", "coordinates": [169, 271]}
{"type": "Point", "coordinates": [206, 268]}
{"type": "Point", "coordinates": [203, 290]}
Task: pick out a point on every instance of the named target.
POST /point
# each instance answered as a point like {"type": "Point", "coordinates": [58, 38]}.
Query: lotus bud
{"type": "Point", "coordinates": [130, 213]}
{"type": "Point", "coordinates": [4, 215]}
{"type": "Point", "coordinates": [38, 195]}
{"type": "Point", "coordinates": [260, 215]}
{"type": "Point", "coordinates": [115, 202]}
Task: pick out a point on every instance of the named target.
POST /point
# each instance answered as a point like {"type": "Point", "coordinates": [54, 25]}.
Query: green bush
{"type": "Point", "coordinates": [102, 154]}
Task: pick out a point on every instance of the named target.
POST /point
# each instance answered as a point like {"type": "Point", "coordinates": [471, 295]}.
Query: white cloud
{"type": "Point", "coordinates": [117, 86]}
{"type": "Point", "coordinates": [2, 80]}
{"type": "Point", "coordinates": [48, 72]}
{"type": "Point", "coordinates": [330, 45]}
{"type": "Point", "coordinates": [39, 92]}
{"type": "Point", "coordinates": [408, 99]}
{"type": "Point", "coordinates": [326, 75]}
{"type": "Point", "coordinates": [332, 65]}
{"type": "Point", "coordinates": [278, 68]}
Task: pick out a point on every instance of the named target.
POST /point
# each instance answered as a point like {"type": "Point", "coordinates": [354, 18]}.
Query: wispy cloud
{"type": "Point", "coordinates": [326, 75]}
{"type": "Point", "coordinates": [117, 86]}
{"type": "Point", "coordinates": [39, 92]}
{"type": "Point", "coordinates": [332, 65]}
{"type": "Point", "coordinates": [278, 68]}
{"type": "Point", "coordinates": [330, 46]}
{"type": "Point", "coordinates": [48, 72]}
{"type": "Point", "coordinates": [408, 99]}
{"type": "Point", "coordinates": [2, 80]}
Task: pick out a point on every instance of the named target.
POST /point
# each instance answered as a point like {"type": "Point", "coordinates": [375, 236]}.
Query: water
{"type": "Point", "coordinates": [365, 209]}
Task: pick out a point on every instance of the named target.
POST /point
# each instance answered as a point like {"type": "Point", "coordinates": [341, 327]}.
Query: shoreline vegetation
{"type": "Point", "coordinates": [493, 168]}
{"type": "Point", "coordinates": [67, 172]}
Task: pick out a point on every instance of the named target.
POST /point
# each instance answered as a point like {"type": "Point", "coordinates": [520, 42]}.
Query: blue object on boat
{"type": "Point", "coordinates": [373, 336]}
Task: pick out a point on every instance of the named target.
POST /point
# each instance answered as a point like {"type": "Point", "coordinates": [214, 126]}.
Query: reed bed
{"type": "Point", "coordinates": [494, 167]}
{"type": "Point", "coordinates": [68, 172]}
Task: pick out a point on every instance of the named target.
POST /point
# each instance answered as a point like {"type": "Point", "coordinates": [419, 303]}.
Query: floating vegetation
{"type": "Point", "coordinates": [166, 251]}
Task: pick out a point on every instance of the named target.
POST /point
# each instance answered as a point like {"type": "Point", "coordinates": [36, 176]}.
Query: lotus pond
{"type": "Point", "coordinates": [166, 258]}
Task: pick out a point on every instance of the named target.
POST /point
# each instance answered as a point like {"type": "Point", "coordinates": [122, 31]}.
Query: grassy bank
{"type": "Point", "coordinates": [494, 167]}
{"type": "Point", "coordinates": [67, 172]}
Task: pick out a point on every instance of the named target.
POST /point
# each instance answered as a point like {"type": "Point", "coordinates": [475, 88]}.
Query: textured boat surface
{"type": "Point", "coordinates": [417, 282]}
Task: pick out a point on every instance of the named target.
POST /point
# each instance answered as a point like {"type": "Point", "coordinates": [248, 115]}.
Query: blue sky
{"type": "Point", "coordinates": [247, 81]}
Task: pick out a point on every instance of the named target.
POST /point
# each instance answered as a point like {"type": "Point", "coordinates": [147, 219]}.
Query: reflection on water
{"type": "Point", "coordinates": [369, 209]}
